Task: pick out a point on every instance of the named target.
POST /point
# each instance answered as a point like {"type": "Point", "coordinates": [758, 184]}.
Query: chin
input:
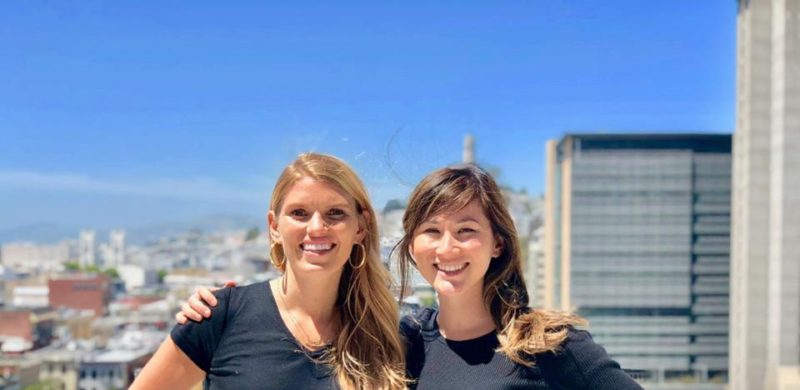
{"type": "Point", "coordinates": [321, 265]}
{"type": "Point", "coordinates": [448, 289]}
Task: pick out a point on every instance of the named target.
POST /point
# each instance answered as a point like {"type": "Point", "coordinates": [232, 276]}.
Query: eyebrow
{"type": "Point", "coordinates": [462, 220]}
{"type": "Point", "coordinates": [468, 219]}
{"type": "Point", "coordinates": [333, 206]}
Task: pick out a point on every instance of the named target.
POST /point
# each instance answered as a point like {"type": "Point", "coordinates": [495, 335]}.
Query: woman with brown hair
{"type": "Point", "coordinates": [329, 321]}
{"type": "Point", "coordinates": [460, 236]}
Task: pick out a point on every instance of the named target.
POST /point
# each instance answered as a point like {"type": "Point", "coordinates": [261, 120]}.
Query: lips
{"type": "Point", "coordinates": [450, 268]}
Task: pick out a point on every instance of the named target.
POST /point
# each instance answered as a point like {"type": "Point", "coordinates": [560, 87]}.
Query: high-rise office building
{"type": "Point", "coordinates": [765, 252]}
{"type": "Point", "coordinates": [637, 241]}
{"type": "Point", "coordinates": [116, 242]}
{"type": "Point", "coordinates": [86, 248]}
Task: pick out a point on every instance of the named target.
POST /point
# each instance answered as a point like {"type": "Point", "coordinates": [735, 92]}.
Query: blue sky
{"type": "Point", "coordinates": [131, 113]}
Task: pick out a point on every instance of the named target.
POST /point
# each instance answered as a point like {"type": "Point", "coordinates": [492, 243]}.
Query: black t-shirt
{"type": "Point", "coordinates": [438, 363]}
{"type": "Point", "coordinates": [246, 345]}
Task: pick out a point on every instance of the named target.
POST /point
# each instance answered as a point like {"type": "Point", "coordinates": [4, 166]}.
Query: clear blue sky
{"type": "Point", "coordinates": [125, 114]}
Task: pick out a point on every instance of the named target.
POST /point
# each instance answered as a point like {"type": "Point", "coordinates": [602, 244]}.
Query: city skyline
{"type": "Point", "coordinates": [118, 120]}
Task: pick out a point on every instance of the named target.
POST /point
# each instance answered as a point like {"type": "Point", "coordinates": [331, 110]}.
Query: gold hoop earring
{"type": "Point", "coordinates": [363, 256]}
{"type": "Point", "coordinates": [276, 264]}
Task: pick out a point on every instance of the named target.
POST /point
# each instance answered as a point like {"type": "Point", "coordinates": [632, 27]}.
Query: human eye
{"type": "Point", "coordinates": [430, 230]}
{"type": "Point", "coordinates": [298, 213]}
{"type": "Point", "coordinates": [337, 213]}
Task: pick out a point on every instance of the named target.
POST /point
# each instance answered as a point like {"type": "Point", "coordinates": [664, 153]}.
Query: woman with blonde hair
{"type": "Point", "coordinates": [459, 235]}
{"type": "Point", "coordinates": [330, 320]}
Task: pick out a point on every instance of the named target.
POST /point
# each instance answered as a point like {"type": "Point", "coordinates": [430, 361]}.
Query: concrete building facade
{"type": "Point", "coordinates": [637, 241]}
{"type": "Point", "coordinates": [765, 251]}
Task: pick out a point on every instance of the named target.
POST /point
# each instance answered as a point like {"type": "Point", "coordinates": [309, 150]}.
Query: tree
{"type": "Point", "coordinates": [252, 234]}
{"type": "Point", "coordinates": [162, 273]}
{"type": "Point", "coordinates": [48, 384]}
{"type": "Point", "coordinates": [72, 266]}
{"type": "Point", "coordinates": [112, 273]}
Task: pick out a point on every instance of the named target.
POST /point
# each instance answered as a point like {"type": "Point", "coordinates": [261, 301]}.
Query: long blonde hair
{"type": "Point", "coordinates": [523, 332]}
{"type": "Point", "coordinates": [367, 352]}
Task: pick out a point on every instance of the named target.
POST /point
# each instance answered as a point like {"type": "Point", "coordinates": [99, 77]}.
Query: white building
{"type": "Point", "coordinates": [61, 367]}
{"type": "Point", "coordinates": [30, 296]}
{"type": "Point", "coordinates": [112, 369]}
{"type": "Point", "coordinates": [116, 242]}
{"type": "Point", "coordinates": [535, 275]}
{"type": "Point", "coordinates": [27, 256]}
{"type": "Point", "coordinates": [136, 276]}
{"type": "Point", "coordinates": [765, 250]}
{"type": "Point", "coordinates": [86, 248]}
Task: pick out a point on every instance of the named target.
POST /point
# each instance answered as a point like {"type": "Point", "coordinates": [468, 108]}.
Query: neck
{"type": "Point", "coordinates": [464, 316]}
{"type": "Point", "coordinates": [311, 296]}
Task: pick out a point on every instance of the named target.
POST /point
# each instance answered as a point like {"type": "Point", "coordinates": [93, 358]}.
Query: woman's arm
{"type": "Point", "coordinates": [169, 368]}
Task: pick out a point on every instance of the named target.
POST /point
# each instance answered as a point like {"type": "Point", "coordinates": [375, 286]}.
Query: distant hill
{"type": "Point", "coordinates": [45, 233]}
{"type": "Point", "coordinates": [40, 233]}
{"type": "Point", "coordinates": [206, 224]}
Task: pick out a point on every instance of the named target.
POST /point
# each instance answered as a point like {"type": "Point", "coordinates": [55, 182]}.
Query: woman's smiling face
{"type": "Point", "coordinates": [453, 250]}
{"type": "Point", "coordinates": [317, 226]}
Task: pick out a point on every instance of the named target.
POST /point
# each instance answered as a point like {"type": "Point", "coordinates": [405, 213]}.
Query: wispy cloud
{"type": "Point", "coordinates": [201, 188]}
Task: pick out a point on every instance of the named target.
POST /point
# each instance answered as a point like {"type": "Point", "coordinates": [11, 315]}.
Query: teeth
{"type": "Point", "coordinates": [317, 247]}
{"type": "Point", "coordinates": [451, 267]}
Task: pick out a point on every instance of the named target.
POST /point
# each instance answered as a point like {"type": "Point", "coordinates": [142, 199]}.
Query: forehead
{"type": "Point", "coordinates": [472, 211]}
{"type": "Point", "coordinates": [308, 191]}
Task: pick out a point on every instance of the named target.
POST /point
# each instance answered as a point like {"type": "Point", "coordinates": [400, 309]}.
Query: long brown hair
{"type": "Point", "coordinates": [368, 352]}
{"type": "Point", "coordinates": [522, 331]}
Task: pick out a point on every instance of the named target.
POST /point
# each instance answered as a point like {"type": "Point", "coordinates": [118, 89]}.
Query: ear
{"type": "Point", "coordinates": [272, 223]}
{"type": "Point", "coordinates": [411, 253]}
{"type": "Point", "coordinates": [362, 226]}
{"type": "Point", "coordinates": [498, 247]}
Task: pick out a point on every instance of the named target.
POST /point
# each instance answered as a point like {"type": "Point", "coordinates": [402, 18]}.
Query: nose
{"type": "Point", "coordinates": [448, 245]}
{"type": "Point", "coordinates": [316, 225]}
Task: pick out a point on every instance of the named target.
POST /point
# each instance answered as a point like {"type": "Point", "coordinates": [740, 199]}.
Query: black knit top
{"type": "Point", "coordinates": [438, 363]}
{"type": "Point", "coordinates": [246, 345]}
